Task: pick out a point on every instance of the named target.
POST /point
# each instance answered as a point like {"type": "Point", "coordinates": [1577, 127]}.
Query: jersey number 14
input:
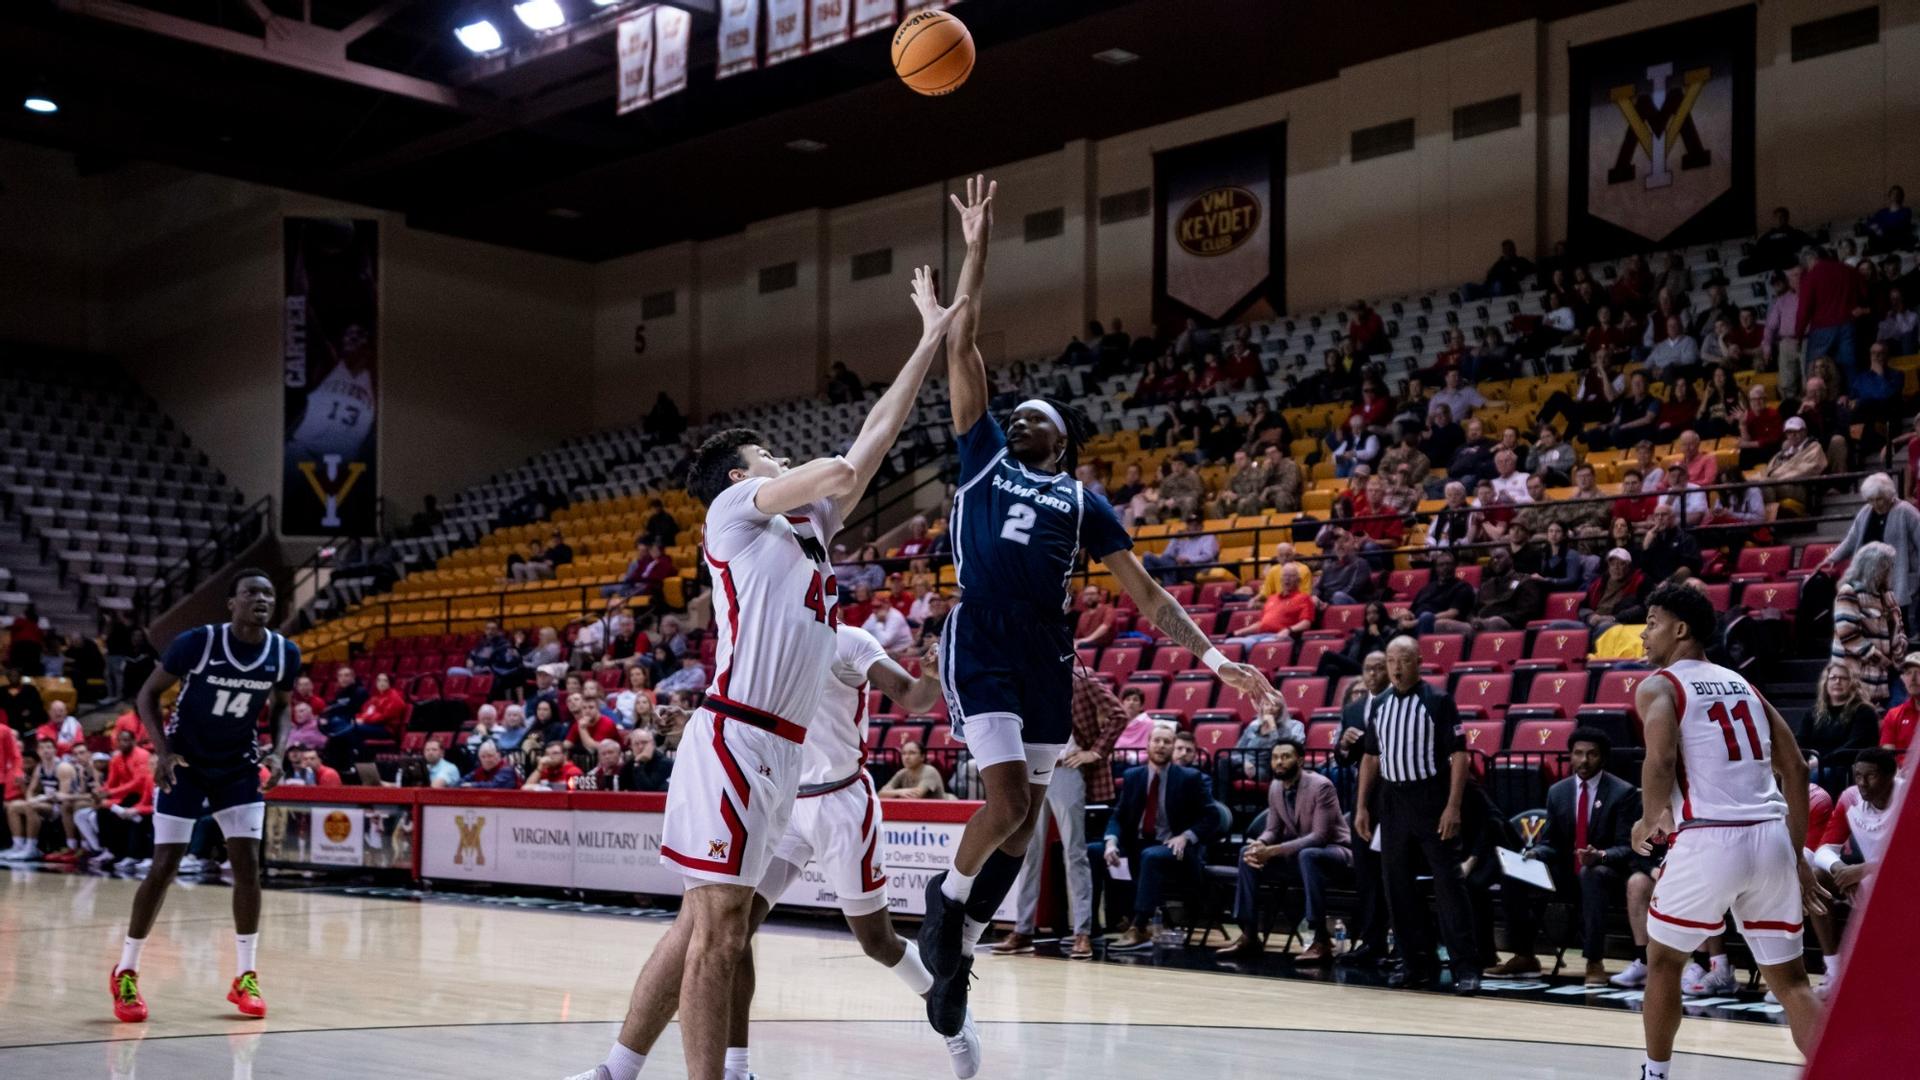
{"type": "Point", "coordinates": [227, 703]}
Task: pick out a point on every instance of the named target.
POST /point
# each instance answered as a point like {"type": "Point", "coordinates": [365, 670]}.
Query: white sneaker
{"type": "Point", "coordinates": [126, 865]}
{"type": "Point", "coordinates": [101, 861]}
{"type": "Point", "coordinates": [1771, 998]}
{"type": "Point", "coordinates": [13, 853]}
{"type": "Point", "coordinates": [964, 1049]}
{"type": "Point", "coordinates": [1633, 978]}
{"type": "Point", "coordinates": [1714, 982]}
{"type": "Point", "coordinates": [143, 866]}
{"type": "Point", "coordinates": [1693, 976]}
{"type": "Point", "coordinates": [192, 864]}
{"type": "Point", "coordinates": [598, 1072]}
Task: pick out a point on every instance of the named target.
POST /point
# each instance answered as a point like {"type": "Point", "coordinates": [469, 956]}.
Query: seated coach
{"type": "Point", "coordinates": [1306, 841]}
{"type": "Point", "coordinates": [1159, 827]}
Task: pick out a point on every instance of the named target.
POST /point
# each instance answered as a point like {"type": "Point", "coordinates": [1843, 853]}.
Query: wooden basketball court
{"type": "Point", "coordinates": [366, 987]}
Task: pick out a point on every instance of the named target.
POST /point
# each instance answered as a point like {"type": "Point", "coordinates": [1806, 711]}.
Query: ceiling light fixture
{"type": "Point", "coordinates": [1116, 57]}
{"type": "Point", "coordinates": [807, 146]}
{"type": "Point", "coordinates": [540, 14]}
{"type": "Point", "coordinates": [480, 36]}
{"type": "Point", "coordinates": [42, 105]}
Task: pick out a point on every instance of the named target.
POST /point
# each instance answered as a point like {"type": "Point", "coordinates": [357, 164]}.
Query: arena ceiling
{"type": "Point", "coordinates": [531, 155]}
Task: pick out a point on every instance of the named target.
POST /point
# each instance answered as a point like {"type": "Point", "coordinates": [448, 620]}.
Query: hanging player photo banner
{"type": "Point", "coordinates": [739, 37]}
{"type": "Point", "coordinates": [1219, 249]}
{"type": "Point", "coordinates": [914, 6]}
{"type": "Point", "coordinates": [872, 15]}
{"type": "Point", "coordinates": [786, 30]}
{"type": "Point", "coordinates": [329, 366]}
{"type": "Point", "coordinates": [827, 23]}
{"type": "Point", "coordinates": [635, 48]}
{"type": "Point", "coordinates": [671, 28]}
{"type": "Point", "coordinates": [1661, 137]}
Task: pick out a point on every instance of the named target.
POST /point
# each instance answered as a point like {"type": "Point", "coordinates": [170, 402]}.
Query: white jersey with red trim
{"type": "Point", "coordinates": [1726, 748]}
{"type": "Point", "coordinates": [836, 743]}
{"type": "Point", "coordinates": [774, 602]}
{"type": "Point", "coordinates": [1859, 822]}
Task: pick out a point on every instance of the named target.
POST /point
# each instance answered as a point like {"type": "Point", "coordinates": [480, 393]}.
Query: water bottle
{"type": "Point", "coordinates": [1167, 936]}
{"type": "Point", "coordinates": [1339, 936]}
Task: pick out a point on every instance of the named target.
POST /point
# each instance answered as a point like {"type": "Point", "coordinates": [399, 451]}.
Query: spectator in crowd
{"type": "Point", "coordinates": [1306, 840]}
{"type": "Point", "coordinates": [1140, 723]}
{"type": "Point", "coordinates": [1180, 491]}
{"type": "Point", "coordinates": [1890, 228]}
{"type": "Point", "coordinates": [1777, 248]}
{"type": "Point", "coordinates": [64, 730]}
{"type": "Point", "coordinates": [1886, 519]}
{"type": "Point", "coordinates": [1452, 524]}
{"type": "Point", "coordinates": [1780, 343]}
{"type": "Point", "coordinates": [555, 772]}
{"type": "Point", "coordinates": [1413, 743]}
{"type": "Point", "coordinates": [512, 730]}
{"type": "Point", "coordinates": [493, 770]}
{"type": "Point", "coordinates": [648, 769]}
{"type": "Point", "coordinates": [1858, 833]}
{"type": "Point", "coordinates": [305, 767]}
{"type": "Point", "coordinates": [1097, 621]}
{"type": "Point", "coordinates": [1366, 331]}
{"type": "Point", "coordinates": [1506, 599]}
{"type": "Point", "coordinates": [441, 773]}
{"type": "Point", "coordinates": [865, 571]}
{"type": "Point", "coordinates": [1896, 728]}
{"type": "Point", "coordinates": [1738, 502]}
{"type": "Point", "coordinates": [1269, 726]}
{"type": "Point", "coordinates": [1831, 297]}
{"type": "Point", "coordinates": [123, 811]}
{"type": "Point", "coordinates": [1407, 457]}
{"type": "Point", "coordinates": [1082, 776]}
{"type": "Point", "coordinates": [1159, 826]}
{"type": "Point", "coordinates": [1550, 459]}
{"type": "Point", "coordinates": [889, 627]}
{"type": "Point", "coordinates": [348, 697]}
{"type": "Point", "coordinates": [1634, 417]}
{"type": "Point", "coordinates": [1444, 596]}
{"type": "Point", "coordinates": [1799, 458]}
{"type": "Point", "coordinates": [916, 779]}
{"type": "Point", "coordinates": [304, 727]}
{"type": "Point", "coordinates": [1841, 718]}
{"type": "Point", "coordinates": [1348, 578]}
{"type": "Point", "coordinates": [1584, 513]}
{"type": "Point", "coordinates": [1444, 436]}
{"type": "Point", "coordinates": [1490, 518]}
{"type": "Point", "coordinates": [1247, 477]}
{"type": "Point", "coordinates": [382, 716]}
{"type": "Point", "coordinates": [1760, 427]}
{"type": "Point", "coordinates": [1588, 850]}
{"type": "Point", "coordinates": [1357, 446]}
{"type": "Point", "coordinates": [1508, 273]}
{"type": "Point", "coordinates": [1184, 553]}
{"type": "Point", "coordinates": [661, 530]}
{"type": "Point", "coordinates": [1186, 751]}
{"type": "Point", "coordinates": [1687, 500]}
{"type": "Point", "coordinates": [636, 698]}
{"type": "Point", "coordinates": [21, 702]}
{"type": "Point", "coordinates": [1676, 355]}
{"type": "Point", "coordinates": [1868, 633]}
{"type": "Point", "coordinates": [608, 772]}
{"type": "Point", "coordinates": [1457, 398]}
{"type": "Point", "coordinates": [590, 727]}
{"type": "Point", "coordinates": [1900, 327]}
{"type": "Point", "coordinates": [1271, 583]}
{"type": "Point", "coordinates": [691, 677]}
{"type": "Point", "coordinates": [303, 692]}
{"type": "Point", "coordinates": [1509, 483]}
{"type": "Point", "coordinates": [1284, 480]}
{"type": "Point", "coordinates": [1667, 551]}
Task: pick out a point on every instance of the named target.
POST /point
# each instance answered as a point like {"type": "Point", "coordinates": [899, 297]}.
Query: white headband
{"type": "Point", "coordinates": [1047, 411]}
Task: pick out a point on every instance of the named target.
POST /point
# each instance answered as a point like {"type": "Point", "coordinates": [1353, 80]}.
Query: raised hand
{"type": "Point", "coordinates": [934, 319]}
{"type": "Point", "coordinates": [1248, 680]}
{"type": "Point", "coordinates": [976, 214]}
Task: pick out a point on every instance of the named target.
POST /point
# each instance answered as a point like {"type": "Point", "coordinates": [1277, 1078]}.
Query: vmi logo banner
{"type": "Point", "coordinates": [1218, 253]}
{"type": "Point", "coordinates": [1662, 136]}
{"type": "Point", "coordinates": [329, 366]}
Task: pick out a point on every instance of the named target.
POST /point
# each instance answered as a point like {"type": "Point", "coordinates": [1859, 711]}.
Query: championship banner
{"type": "Point", "coordinates": [827, 23]}
{"type": "Point", "coordinates": [636, 61]}
{"type": "Point", "coordinates": [1661, 136]}
{"type": "Point", "coordinates": [329, 361]}
{"type": "Point", "coordinates": [872, 15]}
{"type": "Point", "coordinates": [786, 30]}
{"type": "Point", "coordinates": [671, 28]}
{"type": "Point", "coordinates": [1219, 244]}
{"type": "Point", "coordinates": [739, 37]}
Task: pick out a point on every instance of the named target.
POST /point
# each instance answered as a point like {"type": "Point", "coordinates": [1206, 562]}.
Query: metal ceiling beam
{"type": "Point", "coordinates": [288, 43]}
{"type": "Point", "coordinates": [598, 26]}
{"type": "Point", "coordinates": [373, 20]}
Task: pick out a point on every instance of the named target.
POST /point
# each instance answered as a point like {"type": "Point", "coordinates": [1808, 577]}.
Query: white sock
{"type": "Point", "coordinates": [622, 1063]}
{"type": "Point", "coordinates": [958, 886]}
{"type": "Point", "coordinates": [1656, 1070]}
{"type": "Point", "coordinates": [912, 970]}
{"type": "Point", "coordinates": [130, 954]}
{"type": "Point", "coordinates": [736, 1063]}
{"type": "Point", "coordinates": [244, 947]}
{"type": "Point", "coordinates": [970, 931]}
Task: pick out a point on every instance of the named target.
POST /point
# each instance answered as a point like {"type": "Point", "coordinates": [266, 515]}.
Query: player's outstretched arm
{"type": "Point", "coordinates": [147, 704]}
{"type": "Point", "coordinates": [821, 478]}
{"type": "Point", "coordinates": [913, 695]}
{"type": "Point", "coordinates": [1653, 699]}
{"type": "Point", "coordinates": [891, 412]}
{"type": "Point", "coordinates": [966, 372]}
{"type": "Point", "coordinates": [282, 728]}
{"type": "Point", "coordinates": [1165, 612]}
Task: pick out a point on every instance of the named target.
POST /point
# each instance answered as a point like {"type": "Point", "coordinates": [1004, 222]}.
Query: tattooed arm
{"type": "Point", "coordinates": [1166, 613]}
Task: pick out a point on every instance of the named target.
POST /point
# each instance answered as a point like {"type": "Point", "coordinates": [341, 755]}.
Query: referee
{"type": "Point", "coordinates": [1413, 742]}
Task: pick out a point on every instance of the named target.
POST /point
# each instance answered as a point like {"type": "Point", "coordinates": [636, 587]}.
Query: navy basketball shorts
{"type": "Point", "coordinates": [1006, 666]}
{"type": "Point", "coordinates": [230, 792]}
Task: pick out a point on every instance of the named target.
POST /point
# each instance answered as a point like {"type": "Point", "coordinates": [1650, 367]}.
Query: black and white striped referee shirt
{"type": "Point", "coordinates": [1413, 733]}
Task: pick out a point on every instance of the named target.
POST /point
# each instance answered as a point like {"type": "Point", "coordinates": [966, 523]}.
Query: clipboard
{"type": "Point", "coordinates": [1532, 871]}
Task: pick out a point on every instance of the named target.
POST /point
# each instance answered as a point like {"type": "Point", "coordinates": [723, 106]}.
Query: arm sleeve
{"type": "Point", "coordinates": [185, 651]}
{"type": "Point", "coordinates": [978, 445]}
{"type": "Point", "coordinates": [733, 521]}
{"type": "Point", "coordinates": [1101, 533]}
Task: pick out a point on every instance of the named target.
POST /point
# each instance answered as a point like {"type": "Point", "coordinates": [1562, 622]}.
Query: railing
{"type": "Point", "coordinates": [191, 570]}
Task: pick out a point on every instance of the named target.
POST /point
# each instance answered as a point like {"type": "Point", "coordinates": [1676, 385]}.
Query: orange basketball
{"type": "Point", "coordinates": [933, 53]}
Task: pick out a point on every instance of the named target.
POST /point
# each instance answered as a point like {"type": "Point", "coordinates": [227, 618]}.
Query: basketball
{"type": "Point", "coordinates": [933, 53]}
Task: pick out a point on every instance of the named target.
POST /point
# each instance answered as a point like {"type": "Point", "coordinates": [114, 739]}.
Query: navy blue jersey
{"type": "Point", "coordinates": [225, 686]}
{"type": "Point", "coordinates": [1017, 533]}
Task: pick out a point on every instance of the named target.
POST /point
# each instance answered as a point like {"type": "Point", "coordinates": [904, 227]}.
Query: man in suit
{"type": "Point", "coordinates": [1587, 847]}
{"type": "Point", "coordinates": [1159, 827]}
{"type": "Point", "coordinates": [1371, 931]}
{"type": "Point", "coordinates": [1306, 840]}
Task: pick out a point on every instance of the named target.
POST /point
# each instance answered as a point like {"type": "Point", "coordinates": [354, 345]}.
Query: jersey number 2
{"type": "Point", "coordinates": [1743, 713]}
{"type": "Point", "coordinates": [227, 703]}
{"type": "Point", "coordinates": [1019, 526]}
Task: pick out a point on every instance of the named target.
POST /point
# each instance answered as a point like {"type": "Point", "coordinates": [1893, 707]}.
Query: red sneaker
{"type": "Point", "coordinates": [245, 995]}
{"type": "Point", "coordinates": [128, 1006]}
{"type": "Point", "coordinates": [65, 855]}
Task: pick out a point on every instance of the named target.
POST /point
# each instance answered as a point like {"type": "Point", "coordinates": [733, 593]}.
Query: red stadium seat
{"type": "Point", "coordinates": [1721, 594]}
{"type": "Point", "coordinates": [1190, 695]}
{"type": "Point", "coordinates": [1234, 702]}
{"type": "Point", "coordinates": [1182, 594]}
{"type": "Point", "coordinates": [1442, 651]}
{"type": "Point", "coordinates": [1171, 660]}
{"type": "Point", "coordinates": [1340, 688]}
{"type": "Point", "coordinates": [1153, 686]}
{"type": "Point", "coordinates": [941, 738]}
{"type": "Point", "coordinates": [1087, 656]}
{"type": "Point", "coordinates": [1484, 736]}
{"type": "Point", "coordinates": [901, 732]}
{"type": "Point", "coordinates": [1613, 709]}
{"type": "Point", "coordinates": [1269, 656]}
{"type": "Point", "coordinates": [1556, 650]}
{"type": "Point", "coordinates": [1762, 563]}
{"type": "Point", "coordinates": [1469, 573]}
{"type": "Point", "coordinates": [1304, 694]}
{"type": "Point", "coordinates": [1484, 694]}
{"type": "Point", "coordinates": [1565, 605]}
{"type": "Point", "coordinates": [413, 742]}
{"type": "Point", "coordinates": [1782, 596]}
{"type": "Point", "coordinates": [1214, 593]}
{"type": "Point", "coordinates": [877, 728]}
{"type": "Point", "coordinates": [1323, 735]}
{"type": "Point", "coordinates": [456, 686]}
{"type": "Point", "coordinates": [1232, 650]}
{"type": "Point", "coordinates": [1435, 679]}
{"type": "Point", "coordinates": [1541, 736]}
{"type": "Point", "coordinates": [1342, 617]}
{"type": "Point", "coordinates": [1554, 695]}
{"type": "Point", "coordinates": [1119, 662]}
{"type": "Point", "coordinates": [1404, 584]}
{"type": "Point", "coordinates": [1213, 734]}
{"type": "Point", "coordinates": [1311, 650]}
{"type": "Point", "coordinates": [1177, 719]}
{"type": "Point", "coordinates": [1243, 621]}
{"type": "Point", "coordinates": [1808, 558]}
{"type": "Point", "coordinates": [1495, 651]}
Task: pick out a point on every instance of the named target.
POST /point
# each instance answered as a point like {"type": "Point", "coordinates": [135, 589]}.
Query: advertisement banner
{"type": "Point", "coordinates": [1661, 136]}
{"type": "Point", "coordinates": [619, 851]}
{"type": "Point", "coordinates": [330, 836]}
{"type": "Point", "coordinates": [739, 37]}
{"type": "Point", "coordinates": [336, 835]}
{"type": "Point", "coordinates": [1219, 247]}
{"type": "Point", "coordinates": [786, 30]}
{"type": "Point", "coordinates": [671, 29]}
{"type": "Point", "coordinates": [827, 23]}
{"type": "Point", "coordinates": [329, 366]}
{"type": "Point", "coordinates": [635, 48]}
{"type": "Point", "coordinates": [872, 15]}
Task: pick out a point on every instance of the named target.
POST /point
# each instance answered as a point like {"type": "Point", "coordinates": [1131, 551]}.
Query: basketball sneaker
{"type": "Point", "coordinates": [1633, 978]}
{"type": "Point", "coordinates": [245, 995]}
{"type": "Point", "coordinates": [964, 1049]}
{"type": "Point", "coordinates": [1716, 980]}
{"type": "Point", "coordinates": [940, 937]}
{"type": "Point", "coordinates": [947, 1001]}
{"type": "Point", "coordinates": [128, 1006]}
{"type": "Point", "coordinates": [598, 1072]}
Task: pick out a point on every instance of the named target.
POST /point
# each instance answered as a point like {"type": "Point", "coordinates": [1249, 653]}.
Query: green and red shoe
{"type": "Point", "coordinates": [128, 1006]}
{"type": "Point", "coordinates": [245, 995]}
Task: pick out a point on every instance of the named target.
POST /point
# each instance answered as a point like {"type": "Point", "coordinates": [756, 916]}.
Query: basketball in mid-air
{"type": "Point", "coordinates": [933, 53]}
